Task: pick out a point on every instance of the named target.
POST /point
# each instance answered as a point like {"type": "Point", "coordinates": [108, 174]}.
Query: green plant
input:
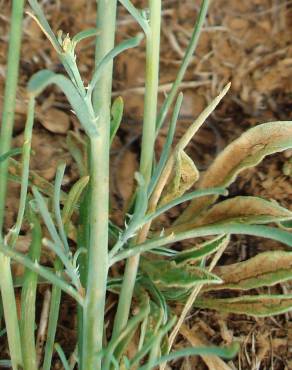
{"type": "Point", "coordinates": [85, 274]}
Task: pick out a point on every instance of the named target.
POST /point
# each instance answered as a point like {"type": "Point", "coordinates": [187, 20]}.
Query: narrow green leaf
{"type": "Point", "coordinates": [182, 199]}
{"type": "Point", "coordinates": [73, 198]}
{"type": "Point", "coordinates": [62, 356]}
{"type": "Point", "coordinates": [227, 352]}
{"type": "Point", "coordinates": [117, 115]}
{"type": "Point", "coordinates": [28, 298]}
{"type": "Point", "coordinates": [57, 210]}
{"type": "Point", "coordinates": [44, 78]}
{"type": "Point", "coordinates": [10, 153]}
{"type": "Point", "coordinates": [167, 146]}
{"type": "Point", "coordinates": [78, 149]}
{"type": "Point", "coordinates": [42, 271]}
{"type": "Point", "coordinates": [43, 23]}
{"type": "Point", "coordinates": [53, 319]}
{"type": "Point", "coordinates": [231, 228]}
{"type": "Point", "coordinates": [201, 251]}
{"type": "Point", "coordinates": [258, 306]}
{"type": "Point", "coordinates": [136, 14]}
{"type": "Point", "coordinates": [80, 36]}
{"type": "Point", "coordinates": [128, 44]}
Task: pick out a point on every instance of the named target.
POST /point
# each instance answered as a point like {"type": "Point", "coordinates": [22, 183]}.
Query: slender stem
{"type": "Point", "coordinates": [26, 150]}
{"type": "Point", "coordinates": [148, 140]}
{"type": "Point", "coordinates": [53, 320]}
{"type": "Point", "coordinates": [93, 318]}
{"type": "Point", "coordinates": [10, 96]}
{"type": "Point", "coordinates": [28, 299]}
{"type": "Point", "coordinates": [184, 65]}
{"type": "Point", "coordinates": [6, 283]}
{"type": "Point", "coordinates": [10, 312]}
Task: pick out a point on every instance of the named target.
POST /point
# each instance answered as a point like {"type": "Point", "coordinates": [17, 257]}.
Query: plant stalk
{"type": "Point", "coordinates": [10, 97]}
{"type": "Point", "coordinates": [93, 315]}
{"type": "Point", "coordinates": [6, 283]}
{"type": "Point", "coordinates": [147, 153]}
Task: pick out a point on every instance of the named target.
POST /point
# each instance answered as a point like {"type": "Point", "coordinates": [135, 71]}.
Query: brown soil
{"type": "Point", "coordinates": [245, 42]}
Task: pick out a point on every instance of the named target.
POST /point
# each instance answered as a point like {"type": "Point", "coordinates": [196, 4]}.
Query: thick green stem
{"type": "Point", "coordinates": [6, 283]}
{"type": "Point", "coordinates": [148, 140]}
{"type": "Point", "coordinates": [93, 318]}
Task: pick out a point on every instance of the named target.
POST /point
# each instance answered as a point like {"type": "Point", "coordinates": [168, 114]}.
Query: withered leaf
{"type": "Point", "coordinates": [259, 306]}
{"type": "Point", "coordinates": [247, 151]}
{"type": "Point", "coordinates": [265, 269]}
{"type": "Point", "coordinates": [184, 175]}
{"type": "Point", "coordinates": [243, 209]}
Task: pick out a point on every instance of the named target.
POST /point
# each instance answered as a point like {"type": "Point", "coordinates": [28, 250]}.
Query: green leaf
{"type": "Point", "coordinates": [117, 115]}
{"type": "Point", "coordinates": [265, 269]}
{"type": "Point", "coordinates": [167, 274]}
{"type": "Point", "coordinates": [15, 170]}
{"type": "Point", "coordinates": [182, 199]}
{"type": "Point", "coordinates": [44, 78]}
{"type": "Point", "coordinates": [245, 152]}
{"type": "Point", "coordinates": [201, 251]}
{"type": "Point", "coordinates": [227, 352]}
{"type": "Point", "coordinates": [78, 149]}
{"type": "Point", "coordinates": [72, 199]}
{"type": "Point", "coordinates": [218, 229]}
{"type": "Point", "coordinates": [136, 14]}
{"type": "Point", "coordinates": [62, 356]}
{"type": "Point", "coordinates": [44, 25]}
{"type": "Point", "coordinates": [10, 153]}
{"type": "Point", "coordinates": [128, 44]}
{"type": "Point", "coordinates": [167, 146]}
{"type": "Point", "coordinates": [91, 32]}
{"type": "Point", "coordinates": [258, 306]}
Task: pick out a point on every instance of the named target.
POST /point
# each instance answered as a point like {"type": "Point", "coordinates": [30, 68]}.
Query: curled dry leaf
{"type": "Point", "coordinates": [265, 269]}
{"type": "Point", "coordinates": [240, 209]}
{"type": "Point", "coordinates": [247, 151]}
{"type": "Point", "coordinates": [185, 174]}
{"type": "Point", "coordinates": [258, 306]}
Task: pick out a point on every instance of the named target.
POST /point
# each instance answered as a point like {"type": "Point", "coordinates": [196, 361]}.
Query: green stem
{"type": "Point", "coordinates": [53, 320]}
{"type": "Point", "coordinates": [10, 96]}
{"type": "Point", "coordinates": [93, 314]}
{"type": "Point", "coordinates": [148, 140]}
{"type": "Point", "coordinates": [184, 65]}
{"type": "Point", "coordinates": [28, 299]}
{"type": "Point", "coordinates": [6, 283]}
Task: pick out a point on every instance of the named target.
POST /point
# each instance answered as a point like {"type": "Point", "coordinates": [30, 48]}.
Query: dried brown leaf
{"type": "Point", "coordinates": [245, 152]}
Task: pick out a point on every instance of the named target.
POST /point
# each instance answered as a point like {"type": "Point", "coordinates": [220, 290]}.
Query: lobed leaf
{"type": "Point", "coordinates": [265, 269]}
{"type": "Point", "coordinates": [258, 306]}
{"type": "Point", "coordinates": [245, 152]}
{"type": "Point", "coordinates": [167, 274]}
